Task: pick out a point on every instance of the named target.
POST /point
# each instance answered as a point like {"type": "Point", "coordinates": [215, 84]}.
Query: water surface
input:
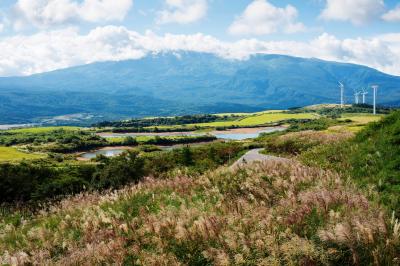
{"type": "Point", "coordinates": [232, 135]}
{"type": "Point", "coordinates": [107, 153]}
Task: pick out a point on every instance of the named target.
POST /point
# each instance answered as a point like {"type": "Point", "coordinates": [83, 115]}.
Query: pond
{"type": "Point", "coordinates": [241, 134]}
{"type": "Point", "coordinates": [114, 151]}
{"type": "Point", "coordinates": [232, 134]}
{"type": "Point", "coordinates": [106, 152]}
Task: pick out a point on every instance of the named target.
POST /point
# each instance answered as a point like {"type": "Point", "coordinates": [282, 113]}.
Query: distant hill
{"type": "Point", "coordinates": [188, 83]}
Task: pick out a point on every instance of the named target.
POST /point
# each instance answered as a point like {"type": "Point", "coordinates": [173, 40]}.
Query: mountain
{"type": "Point", "coordinates": [185, 83]}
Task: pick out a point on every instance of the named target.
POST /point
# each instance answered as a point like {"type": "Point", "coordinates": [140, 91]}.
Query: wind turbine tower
{"type": "Point", "coordinates": [356, 97]}
{"type": "Point", "coordinates": [375, 88]}
{"type": "Point", "coordinates": [364, 92]}
{"type": "Point", "coordinates": [341, 86]}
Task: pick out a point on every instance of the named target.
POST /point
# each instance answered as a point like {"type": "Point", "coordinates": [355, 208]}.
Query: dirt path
{"type": "Point", "coordinates": [255, 156]}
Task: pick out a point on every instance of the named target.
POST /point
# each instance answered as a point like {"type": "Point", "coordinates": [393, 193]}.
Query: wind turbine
{"type": "Point", "coordinates": [356, 96]}
{"type": "Point", "coordinates": [341, 86]}
{"type": "Point", "coordinates": [375, 88]}
{"type": "Point", "coordinates": [364, 92]}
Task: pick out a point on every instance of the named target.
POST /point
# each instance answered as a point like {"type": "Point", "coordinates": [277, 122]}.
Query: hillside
{"type": "Point", "coordinates": [268, 214]}
{"type": "Point", "coordinates": [371, 158]}
{"type": "Point", "coordinates": [168, 84]}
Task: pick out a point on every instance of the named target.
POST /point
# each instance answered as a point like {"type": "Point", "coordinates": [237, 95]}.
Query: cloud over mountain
{"type": "Point", "coordinates": [49, 50]}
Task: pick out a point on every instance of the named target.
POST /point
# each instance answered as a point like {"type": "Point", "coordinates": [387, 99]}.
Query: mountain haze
{"type": "Point", "coordinates": [186, 83]}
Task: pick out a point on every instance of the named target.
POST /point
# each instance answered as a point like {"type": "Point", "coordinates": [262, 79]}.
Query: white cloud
{"type": "Point", "coordinates": [47, 13]}
{"type": "Point", "coordinates": [357, 12]}
{"type": "Point", "coordinates": [99, 10]}
{"type": "Point", "coordinates": [182, 11]}
{"type": "Point", "coordinates": [45, 51]}
{"type": "Point", "coordinates": [261, 17]}
{"type": "Point", "coordinates": [392, 15]}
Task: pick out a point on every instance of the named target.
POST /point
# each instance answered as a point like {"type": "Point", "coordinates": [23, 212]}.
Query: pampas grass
{"type": "Point", "coordinates": [272, 213]}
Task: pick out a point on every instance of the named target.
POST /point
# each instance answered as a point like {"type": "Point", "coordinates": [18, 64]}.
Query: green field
{"type": "Point", "coordinates": [258, 119]}
{"type": "Point", "coordinates": [139, 139]}
{"type": "Point", "coordinates": [42, 129]}
{"type": "Point", "coordinates": [248, 114]}
{"type": "Point", "coordinates": [361, 118]}
{"type": "Point", "coordinates": [12, 154]}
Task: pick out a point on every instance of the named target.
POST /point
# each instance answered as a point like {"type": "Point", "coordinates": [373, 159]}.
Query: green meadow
{"type": "Point", "coordinates": [43, 129]}
{"type": "Point", "coordinates": [359, 118]}
{"type": "Point", "coordinates": [259, 119]}
{"type": "Point", "coordinates": [12, 154]}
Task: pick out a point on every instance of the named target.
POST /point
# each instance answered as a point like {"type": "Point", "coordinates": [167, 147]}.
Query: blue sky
{"type": "Point", "coordinates": [63, 33]}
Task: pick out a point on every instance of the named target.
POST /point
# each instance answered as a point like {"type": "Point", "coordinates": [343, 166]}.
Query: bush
{"type": "Point", "coordinates": [118, 171]}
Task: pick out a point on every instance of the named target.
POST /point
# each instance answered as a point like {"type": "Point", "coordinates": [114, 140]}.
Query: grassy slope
{"type": "Point", "coordinates": [359, 121]}
{"type": "Point", "coordinates": [271, 214]}
{"type": "Point", "coordinates": [372, 159]}
{"type": "Point", "coordinates": [12, 154]}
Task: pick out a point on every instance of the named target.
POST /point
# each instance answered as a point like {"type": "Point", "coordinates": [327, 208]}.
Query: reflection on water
{"type": "Point", "coordinates": [228, 134]}
{"type": "Point", "coordinates": [107, 153]}
{"type": "Point", "coordinates": [242, 136]}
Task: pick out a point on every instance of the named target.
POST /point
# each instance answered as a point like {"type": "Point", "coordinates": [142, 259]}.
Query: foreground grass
{"type": "Point", "coordinates": [274, 213]}
{"type": "Point", "coordinates": [12, 154]}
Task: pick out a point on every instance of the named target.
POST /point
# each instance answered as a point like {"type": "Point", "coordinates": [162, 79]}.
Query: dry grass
{"type": "Point", "coordinates": [295, 143]}
{"type": "Point", "coordinates": [319, 137]}
{"type": "Point", "coordinates": [274, 213]}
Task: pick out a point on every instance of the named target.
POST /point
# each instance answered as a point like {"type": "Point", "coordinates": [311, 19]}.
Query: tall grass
{"type": "Point", "coordinates": [371, 159]}
{"type": "Point", "coordinates": [295, 143]}
{"type": "Point", "coordinates": [275, 213]}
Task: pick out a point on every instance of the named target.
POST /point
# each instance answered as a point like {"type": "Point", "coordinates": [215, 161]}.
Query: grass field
{"type": "Point", "coordinates": [258, 119]}
{"type": "Point", "coordinates": [42, 129]}
{"type": "Point", "coordinates": [139, 139]}
{"type": "Point", "coordinates": [359, 122]}
{"type": "Point", "coordinates": [12, 154]}
{"type": "Point", "coordinates": [361, 118]}
{"type": "Point", "coordinates": [248, 114]}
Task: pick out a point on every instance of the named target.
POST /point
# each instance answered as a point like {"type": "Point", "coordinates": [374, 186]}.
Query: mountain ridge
{"type": "Point", "coordinates": [168, 84]}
